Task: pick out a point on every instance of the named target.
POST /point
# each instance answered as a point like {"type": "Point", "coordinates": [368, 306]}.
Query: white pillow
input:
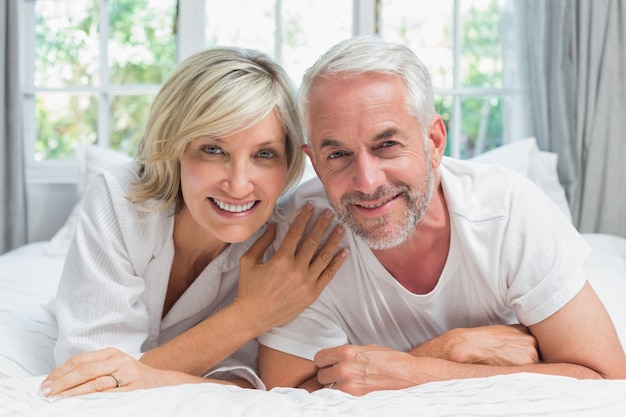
{"type": "Point", "coordinates": [539, 166]}
{"type": "Point", "coordinates": [91, 160]}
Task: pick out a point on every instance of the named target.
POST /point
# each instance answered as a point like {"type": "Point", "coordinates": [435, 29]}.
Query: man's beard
{"type": "Point", "coordinates": [385, 232]}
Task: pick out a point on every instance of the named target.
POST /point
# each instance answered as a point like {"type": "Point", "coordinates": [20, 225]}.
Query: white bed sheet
{"type": "Point", "coordinates": [28, 279]}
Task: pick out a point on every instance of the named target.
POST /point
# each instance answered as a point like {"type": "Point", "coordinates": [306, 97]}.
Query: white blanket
{"type": "Point", "coordinates": [28, 279]}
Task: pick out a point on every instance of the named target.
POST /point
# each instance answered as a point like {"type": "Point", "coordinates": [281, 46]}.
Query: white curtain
{"type": "Point", "coordinates": [12, 175]}
{"type": "Point", "coordinates": [573, 56]}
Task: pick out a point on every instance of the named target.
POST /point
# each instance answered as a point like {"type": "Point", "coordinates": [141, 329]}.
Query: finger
{"type": "Point", "coordinates": [255, 253]}
{"type": "Point", "coordinates": [326, 255]}
{"type": "Point", "coordinates": [78, 360]}
{"type": "Point", "coordinates": [311, 242]}
{"type": "Point", "coordinates": [329, 272]}
{"type": "Point", "coordinates": [327, 357]}
{"type": "Point", "coordinates": [87, 369]}
{"type": "Point", "coordinates": [296, 229]}
{"type": "Point", "coordinates": [99, 384]}
{"type": "Point", "coordinates": [84, 376]}
{"type": "Point", "coordinates": [325, 376]}
{"type": "Point", "coordinates": [331, 374]}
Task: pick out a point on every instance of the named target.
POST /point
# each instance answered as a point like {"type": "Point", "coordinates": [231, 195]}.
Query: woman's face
{"type": "Point", "coordinates": [230, 184]}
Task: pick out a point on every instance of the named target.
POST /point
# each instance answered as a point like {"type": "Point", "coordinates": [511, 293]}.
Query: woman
{"type": "Point", "coordinates": [167, 264]}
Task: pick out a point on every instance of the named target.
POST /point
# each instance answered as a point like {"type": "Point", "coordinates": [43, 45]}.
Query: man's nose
{"type": "Point", "coordinates": [368, 174]}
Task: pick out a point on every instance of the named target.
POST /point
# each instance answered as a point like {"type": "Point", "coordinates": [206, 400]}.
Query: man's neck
{"type": "Point", "coordinates": [418, 263]}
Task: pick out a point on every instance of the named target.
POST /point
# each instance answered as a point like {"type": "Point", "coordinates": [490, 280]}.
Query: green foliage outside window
{"type": "Point", "coordinates": [69, 88]}
{"type": "Point", "coordinates": [70, 92]}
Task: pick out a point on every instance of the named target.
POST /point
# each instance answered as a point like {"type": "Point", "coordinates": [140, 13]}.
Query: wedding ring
{"type": "Point", "coordinates": [118, 383]}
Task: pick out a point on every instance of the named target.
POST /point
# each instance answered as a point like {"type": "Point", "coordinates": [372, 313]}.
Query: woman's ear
{"type": "Point", "coordinates": [437, 140]}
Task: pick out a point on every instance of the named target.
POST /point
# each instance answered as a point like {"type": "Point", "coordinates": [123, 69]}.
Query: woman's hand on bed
{"type": "Point", "coordinates": [274, 292]}
{"type": "Point", "coordinates": [497, 345]}
{"type": "Point", "coordinates": [107, 370]}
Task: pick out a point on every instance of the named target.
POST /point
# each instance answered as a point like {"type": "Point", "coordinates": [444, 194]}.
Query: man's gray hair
{"type": "Point", "coordinates": [363, 54]}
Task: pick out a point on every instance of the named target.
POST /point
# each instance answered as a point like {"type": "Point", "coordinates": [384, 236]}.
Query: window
{"type": "Point", "coordinates": [94, 68]}
{"type": "Point", "coordinates": [95, 65]}
{"type": "Point", "coordinates": [460, 44]}
{"type": "Point", "coordinates": [293, 32]}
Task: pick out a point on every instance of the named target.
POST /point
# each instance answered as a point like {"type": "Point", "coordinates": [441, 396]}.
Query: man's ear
{"type": "Point", "coordinates": [309, 152]}
{"type": "Point", "coordinates": [437, 140]}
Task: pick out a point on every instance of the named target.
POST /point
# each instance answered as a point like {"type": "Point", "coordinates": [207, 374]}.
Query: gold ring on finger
{"type": "Point", "coordinates": [118, 382]}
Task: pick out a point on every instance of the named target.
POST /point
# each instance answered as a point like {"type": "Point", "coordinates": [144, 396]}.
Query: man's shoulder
{"type": "Point", "coordinates": [476, 190]}
{"type": "Point", "coordinates": [311, 190]}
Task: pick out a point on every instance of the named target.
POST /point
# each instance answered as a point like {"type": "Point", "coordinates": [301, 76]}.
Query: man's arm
{"type": "Point", "coordinates": [498, 345]}
{"type": "Point", "coordinates": [579, 341]}
{"type": "Point", "coordinates": [582, 333]}
{"type": "Point", "coordinates": [501, 345]}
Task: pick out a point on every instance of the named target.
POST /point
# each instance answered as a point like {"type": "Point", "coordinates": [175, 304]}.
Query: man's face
{"type": "Point", "coordinates": [369, 153]}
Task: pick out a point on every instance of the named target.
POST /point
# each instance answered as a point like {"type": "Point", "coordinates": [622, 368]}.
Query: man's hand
{"type": "Point", "coordinates": [358, 370]}
{"type": "Point", "coordinates": [498, 345]}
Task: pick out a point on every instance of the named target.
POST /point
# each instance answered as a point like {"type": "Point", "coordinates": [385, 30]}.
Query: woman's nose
{"type": "Point", "coordinates": [239, 180]}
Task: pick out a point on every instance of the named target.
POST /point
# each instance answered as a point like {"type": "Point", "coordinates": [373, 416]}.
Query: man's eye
{"type": "Point", "coordinates": [213, 150]}
{"type": "Point", "coordinates": [388, 143]}
{"type": "Point", "coordinates": [335, 155]}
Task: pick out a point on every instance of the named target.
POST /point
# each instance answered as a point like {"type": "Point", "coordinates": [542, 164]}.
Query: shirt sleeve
{"type": "Point", "coordinates": [99, 302]}
{"type": "Point", "coordinates": [542, 255]}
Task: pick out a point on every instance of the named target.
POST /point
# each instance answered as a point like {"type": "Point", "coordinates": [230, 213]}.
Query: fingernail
{"type": "Point", "coordinates": [340, 230]}
{"type": "Point", "coordinates": [45, 389]}
{"type": "Point", "coordinates": [328, 213]}
{"type": "Point", "coordinates": [309, 206]}
{"type": "Point", "coordinates": [344, 253]}
{"type": "Point", "coordinates": [53, 398]}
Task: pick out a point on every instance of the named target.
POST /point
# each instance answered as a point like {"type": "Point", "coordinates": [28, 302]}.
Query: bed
{"type": "Point", "coordinates": [29, 276]}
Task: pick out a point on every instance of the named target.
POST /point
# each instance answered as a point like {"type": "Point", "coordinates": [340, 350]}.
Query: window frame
{"type": "Point", "coordinates": [190, 38]}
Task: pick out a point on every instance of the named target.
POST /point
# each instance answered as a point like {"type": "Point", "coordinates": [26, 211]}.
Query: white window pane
{"type": "Point", "coordinates": [426, 27]}
{"type": "Point", "coordinates": [244, 23]}
{"type": "Point", "coordinates": [309, 29]}
{"type": "Point", "coordinates": [67, 43]}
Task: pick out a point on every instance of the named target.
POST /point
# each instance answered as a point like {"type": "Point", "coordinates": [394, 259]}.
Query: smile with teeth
{"type": "Point", "coordinates": [233, 208]}
{"type": "Point", "coordinates": [367, 205]}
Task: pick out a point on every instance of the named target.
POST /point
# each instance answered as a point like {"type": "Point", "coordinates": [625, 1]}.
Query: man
{"type": "Point", "coordinates": [436, 244]}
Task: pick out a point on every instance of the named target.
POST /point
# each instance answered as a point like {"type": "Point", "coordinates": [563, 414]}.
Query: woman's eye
{"type": "Point", "coordinates": [266, 154]}
{"type": "Point", "coordinates": [213, 150]}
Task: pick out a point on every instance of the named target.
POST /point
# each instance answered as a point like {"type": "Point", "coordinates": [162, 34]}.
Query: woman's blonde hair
{"type": "Point", "coordinates": [216, 92]}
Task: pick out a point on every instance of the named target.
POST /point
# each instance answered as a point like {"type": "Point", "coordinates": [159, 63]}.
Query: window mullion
{"type": "Point", "coordinates": [364, 21]}
{"type": "Point", "coordinates": [455, 120]}
{"type": "Point", "coordinates": [278, 38]}
{"type": "Point", "coordinates": [104, 114]}
{"type": "Point", "coordinates": [190, 37]}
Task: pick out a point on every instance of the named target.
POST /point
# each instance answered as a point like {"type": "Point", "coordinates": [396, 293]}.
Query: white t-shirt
{"type": "Point", "coordinates": [513, 258]}
{"type": "Point", "coordinates": [115, 278]}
